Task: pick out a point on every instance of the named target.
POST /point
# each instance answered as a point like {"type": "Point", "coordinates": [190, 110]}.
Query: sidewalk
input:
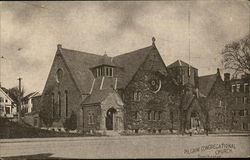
{"type": "Point", "coordinates": [19, 140]}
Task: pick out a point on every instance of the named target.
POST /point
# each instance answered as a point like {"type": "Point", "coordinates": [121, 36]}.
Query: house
{"type": "Point", "coordinates": [7, 107]}
{"type": "Point", "coordinates": [27, 102]}
{"type": "Point", "coordinates": [239, 102]}
{"type": "Point", "coordinates": [33, 107]}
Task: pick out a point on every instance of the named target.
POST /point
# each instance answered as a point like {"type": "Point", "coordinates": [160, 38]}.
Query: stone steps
{"type": "Point", "coordinates": [112, 133]}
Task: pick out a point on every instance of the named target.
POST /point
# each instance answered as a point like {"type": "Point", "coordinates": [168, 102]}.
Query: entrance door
{"type": "Point", "coordinates": [195, 120]}
{"type": "Point", "coordinates": [110, 119]}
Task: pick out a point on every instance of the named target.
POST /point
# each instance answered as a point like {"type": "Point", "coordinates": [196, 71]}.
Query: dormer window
{"type": "Point", "coordinates": [109, 71]}
{"type": "Point", "coordinates": [104, 71]}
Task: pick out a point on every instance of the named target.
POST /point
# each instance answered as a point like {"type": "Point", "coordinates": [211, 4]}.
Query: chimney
{"type": "Point", "coordinates": [218, 71]}
{"type": "Point", "coordinates": [226, 77]}
{"type": "Point", "coordinates": [153, 41]}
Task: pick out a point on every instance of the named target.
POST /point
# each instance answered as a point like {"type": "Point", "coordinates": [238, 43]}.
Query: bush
{"type": "Point", "coordinates": [71, 122]}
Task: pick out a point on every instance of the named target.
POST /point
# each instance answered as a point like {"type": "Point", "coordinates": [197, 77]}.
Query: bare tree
{"type": "Point", "coordinates": [236, 56]}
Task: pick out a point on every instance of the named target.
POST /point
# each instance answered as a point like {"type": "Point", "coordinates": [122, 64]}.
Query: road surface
{"type": "Point", "coordinates": [160, 146]}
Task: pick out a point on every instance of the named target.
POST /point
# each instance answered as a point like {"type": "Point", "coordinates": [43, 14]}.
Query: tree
{"type": "Point", "coordinates": [17, 97]}
{"type": "Point", "coordinates": [236, 56]}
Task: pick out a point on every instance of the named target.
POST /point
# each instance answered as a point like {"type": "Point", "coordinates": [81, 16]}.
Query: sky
{"type": "Point", "coordinates": [30, 32]}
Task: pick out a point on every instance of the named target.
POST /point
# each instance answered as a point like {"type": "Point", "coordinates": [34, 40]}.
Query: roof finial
{"type": "Point", "coordinates": [153, 40]}
{"type": "Point", "coordinates": [59, 46]}
{"type": "Point", "coordinates": [105, 53]}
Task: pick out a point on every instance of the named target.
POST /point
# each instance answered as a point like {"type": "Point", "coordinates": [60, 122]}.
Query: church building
{"type": "Point", "coordinates": [132, 91]}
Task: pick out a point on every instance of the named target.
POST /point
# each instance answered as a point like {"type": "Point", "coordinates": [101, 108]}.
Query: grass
{"type": "Point", "coordinates": [10, 129]}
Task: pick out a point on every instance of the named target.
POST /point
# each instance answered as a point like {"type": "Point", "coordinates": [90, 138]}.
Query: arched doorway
{"type": "Point", "coordinates": [110, 119]}
{"type": "Point", "coordinates": [195, 122]}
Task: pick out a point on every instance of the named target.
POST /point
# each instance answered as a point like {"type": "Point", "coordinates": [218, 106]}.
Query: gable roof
{"type": "Point", "coordinates": [129, 63]}
{"type": "Point", "coordinates": [179, 63]}
{"type": "Point", "coordinates": [32, 94]}
{"type": "Point", "coordinates": [79, 64]}
{"type": "Point", "coordinates": [2, 90]}
{"type": "Point", "coordinates": [97, 96]}
{"type": "Point", "coordinates": [206, 83]}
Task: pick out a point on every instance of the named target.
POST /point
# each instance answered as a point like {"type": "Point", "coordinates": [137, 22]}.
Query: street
{"type": "Point", "coordinates": [160, 146]}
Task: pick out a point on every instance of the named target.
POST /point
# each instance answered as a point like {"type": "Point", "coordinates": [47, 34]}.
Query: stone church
{"type": "Point", "coordinates": [132, 91]}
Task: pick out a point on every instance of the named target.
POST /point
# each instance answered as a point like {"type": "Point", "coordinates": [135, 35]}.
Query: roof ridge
{"type": "Point", "coordinates": [208, 75]}
{"type": "Point", "coordinates": [80, 52]}
{"type": "Point", "coordinates": [134, 51]}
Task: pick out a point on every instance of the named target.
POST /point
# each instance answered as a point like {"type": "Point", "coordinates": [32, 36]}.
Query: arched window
{"type": "Point", "coordinates": [139, 95]}
{"type": "Point", "coordinates": [155, 115]}
{"type": "Point", "coordinates": [53, 105]}
{"type": "Point", "coordinates": [59, 75]}
{"type": "Point", "coordinates": [149, 115]}
{"type": "Point", "coordinates": [136, 114]}
{"type": "Point", "coordinates": [159, 115]}
{"type": "Point", "coordinates": [59, 104]}
{"type": "Point", "coordinates": [66, 103]}
{"type": "Point", "coordinates": [135, 96]}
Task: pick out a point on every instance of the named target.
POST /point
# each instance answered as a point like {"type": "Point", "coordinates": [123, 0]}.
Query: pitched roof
{"type": "Point", "coordinates": [98, 96]}
{"type": "Point", "coordinates": [2, 90]}
{"type": "Point", "coordinates": [206, 83]}
{"type": "Point", "coordinates": [79, 64]}
{"type": "Point", "coordinates": [30, 95]}
{"type": "Point", "coordinates": [179, 63]}
{"type": "Point", "coordinates": [129, 63]}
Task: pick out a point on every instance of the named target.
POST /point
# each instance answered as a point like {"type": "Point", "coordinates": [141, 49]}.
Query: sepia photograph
{"type": "Point", "coordinates": [124, 79]}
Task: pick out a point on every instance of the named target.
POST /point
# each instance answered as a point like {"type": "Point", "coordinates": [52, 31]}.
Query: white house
{"type": "Point", "coordinates": [27, 102]}
{"type": "Point", "coordinates": [7, 108]}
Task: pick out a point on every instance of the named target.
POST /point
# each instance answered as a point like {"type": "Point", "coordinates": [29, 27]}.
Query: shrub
{"type": "Point", "coordinates": [71, 122]}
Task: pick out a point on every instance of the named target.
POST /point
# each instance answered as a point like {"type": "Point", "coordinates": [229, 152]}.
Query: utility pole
{"type": "Point", "coordinates": [19, 98]}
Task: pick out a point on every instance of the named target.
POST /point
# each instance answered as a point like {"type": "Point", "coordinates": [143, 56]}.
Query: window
{"type": "Point", "coordinates": [7, 110]}
{"type": "Point", "coordinates": [136, 115]}
{"type": "Point", "coordinates": [53, 105]}
{"type": "Point", "coordinates": [238, 88]}
{"type": "Point", "coordinates": [6, 100]}
{"type": "Point", "coordinates": [246, 87]}
{"type": "Point", "coordinates": [241, 113]}
{"type": "Point", "coordinates": [233, 88]}
{"type": "Point", "coordinates": [220, 103]}
{"type": "Point", "coordinates": [98, 72]}
{"type": "Point", "coordinates": [245, 100]}
{"type": "Point", "coordinates": [139, 94]}
{"type": "Point", "coordinates": [59, 103]}
{"type": "Point", "coordinates": [159, 115]}
{"type": "Point", "coordinates": [66, 103]}
{"type": "Point", "coordinates": [149, 115]}
{"type": "Point", "coordinates": [155, 115]}
{"type": "Point", "coordinates": [245, 112]}
{"type": "Point", "coordinates": [135, 96]}
{"type": "Point", "coordinates": [59, 75]}
{"type": "Point", "coordinates": [91, 118]}
{"type": "Point", "coordinates": [107, 71]}
{"type": "Point", "coordinates": [111, 71]}
{"type": "Point", "coordinates": [1, 99]}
